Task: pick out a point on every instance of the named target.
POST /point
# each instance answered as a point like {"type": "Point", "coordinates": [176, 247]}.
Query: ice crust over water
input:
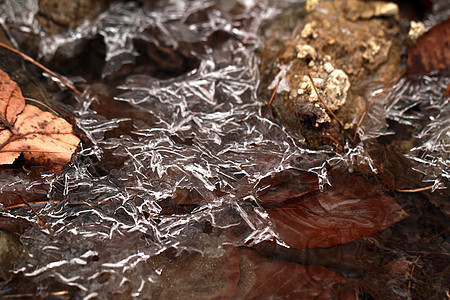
{"type": "Point", "coordinates": [228, 145]}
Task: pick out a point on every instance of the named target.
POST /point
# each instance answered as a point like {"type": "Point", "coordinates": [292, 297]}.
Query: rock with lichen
{"type": "Point", "coordinates": [10, 251]}
{"type": "Point", "coordinates": [56, 16]}
{"type": "Point", "coordinates": [348, 48]}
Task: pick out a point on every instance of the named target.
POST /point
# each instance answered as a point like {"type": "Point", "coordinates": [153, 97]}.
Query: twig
{"type": "Point", "coordinates": [22, 204]}
{"type": "Point", "coordinates": [67, 83]}
{"type": "Point", "coordinates": [60, 293]}
{"type": "Point", "coordinates": [447, 91]}
{"type": "Point", "coordinates": [45, 202]}
{"type": "Point", "coordinates": [8, 125]}
{"type": "Point", "coordinates": [39, 103]}
{"type": "Point", "coordinates": [411, 274]}
{"type": "Point", "coordinates": [40, 220]}
{"type": "Point", "coordinates": [27, 236]}
{"type": "Point", "coordinates": [445, 271]}
{"type": "Point", "coordinates": [428, 253]}
{"type": "Point", "coordinates": [434, 236]}
{"type": "Point", "coordinates": [273, 96]}
{"type": "Point", "coordinates": [415, 190]}
{"type": "Point", "coordinates": [373, 100]}
{"type": "Point", "coordinates": [324, 104]}
{"type": "Point", "coordinates": [10, 279]}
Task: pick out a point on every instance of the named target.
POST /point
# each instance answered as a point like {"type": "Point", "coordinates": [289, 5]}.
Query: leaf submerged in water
{"type": "Point", "coordinates": [277, 279]}
{"type": "Point", "coordinates": [431, 52]}
{"type": "Point", "coordinates": [351, 208]}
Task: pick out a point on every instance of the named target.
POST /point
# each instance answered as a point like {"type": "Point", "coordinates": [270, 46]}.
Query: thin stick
{"type": "Point", "coordinates": [27, 237]}
{"type": "Point", "coordinates": [60, 293]}
{"type": "Point", "coordinates": [10, 279]}
{"type": "Point", "coordinates": [40, 220]}
{"type": "Point", "coordinates": [394, 81]}
{"type": "Point", "coordinates": [411, 275]}
{"type": "Point", "coordinates": [442, 273]}
{"type": "Point", "coordinates": [415, 190]}
{"type": "Point", "coordinates": [37, 103]}
{"type": "Point", "coordinates": [273, 96]}
{"type": "Point", "coordinates": [324, 104]}
{"type": "Point", "coordinates": [45, 202]}
{"type": "Point", "coordinates": [23, 204]}
{"type": "Point", "coordinates": [434, 236]}
{"type": "Point", "coordinates": [8, 125]}
{"type": "Point", "coordinates": [428, 253]}
{"type": "Point", "coordinates": [447, 91]}
{"type": "Point", "coordinates": [67, 83]}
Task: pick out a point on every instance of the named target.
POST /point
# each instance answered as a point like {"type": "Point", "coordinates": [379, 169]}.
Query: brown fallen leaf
{"type": "Point", "coordinates": [11, 100]}
{"type": "Point", "coordinates": [185, 275]}
{"type": "Point", "coordinates": [351, 208]}
{"type": "Point", "coordinates": [43, 138]}
{"type": "Point", "coordinates": [286, 185]}
{"type": "Point", "coordinates": [277, 279]}
{"type": "Point", "coordinates": [431, 53]}
{"type": "Point", "coordinates": [271, 189]}
{"type": "Point", "coordinates": [287, 279]}
{"type": "Point", "coordinates": [184, 196]}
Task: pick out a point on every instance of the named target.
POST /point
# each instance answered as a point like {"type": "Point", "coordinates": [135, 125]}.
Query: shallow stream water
{"type": "Point", "coordinates": [167, 187]}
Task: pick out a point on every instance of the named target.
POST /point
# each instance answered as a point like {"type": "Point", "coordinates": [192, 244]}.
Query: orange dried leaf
{"type": "Point", "coordinates": [11, 99]}
{"type": "Point", "coordinates": [43, 138]}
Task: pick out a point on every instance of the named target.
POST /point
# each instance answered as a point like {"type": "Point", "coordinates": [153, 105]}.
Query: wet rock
{"type": "Point", "coordinates": [349, 48]}
{"type": "Point", "coordinates": [354, 10]}
{"type": "Point", "coordinates": [10, 251]}
{"type": "Point", "coordinates": [58, 15]}
{"type": "Point", "coordinates": [305, 52]}
{"type": "Point", "coordinates": [416, 30]}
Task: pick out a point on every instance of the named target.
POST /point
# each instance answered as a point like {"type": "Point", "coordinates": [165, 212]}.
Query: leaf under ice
{"type": "Point", "coordinates": [351, 208]}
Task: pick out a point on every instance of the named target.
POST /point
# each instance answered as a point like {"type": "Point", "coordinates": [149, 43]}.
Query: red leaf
{"type": "Point", "coordinates": [350, 209]}
{"type": "Point", "coordinates": [187, 197]}
{"type": "Point", "coordinates": [431, 52]}
{"type": "Point", "coordinates": [196, 276]}
{"type": "Point", "coordinates": [286, 185]}
{"type": "Point", "coordinates": [276, 279]}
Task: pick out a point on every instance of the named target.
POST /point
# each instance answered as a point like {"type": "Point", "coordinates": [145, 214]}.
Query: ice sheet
{"type": "Point", "coordinates": [420, 103]}
{"type": "Point", "coordinates": [205, 132]}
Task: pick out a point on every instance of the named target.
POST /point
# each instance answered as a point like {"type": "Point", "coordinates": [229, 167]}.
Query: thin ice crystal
{"type": "Point", "coordinates": [231, 148]}
{"type": "Point", "coordinates": [204, 132]}
{"type": "Point", "coordinates": [420, 104]}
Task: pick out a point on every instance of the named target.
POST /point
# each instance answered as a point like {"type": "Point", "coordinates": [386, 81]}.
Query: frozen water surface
{"type": "Point", "coordinates": [202, 131]}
